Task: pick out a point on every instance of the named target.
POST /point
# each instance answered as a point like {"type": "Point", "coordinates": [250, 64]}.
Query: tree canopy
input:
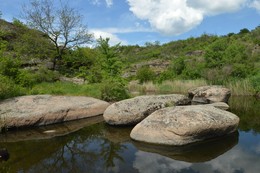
{"type": "Point", "coordinates": [63, 25]}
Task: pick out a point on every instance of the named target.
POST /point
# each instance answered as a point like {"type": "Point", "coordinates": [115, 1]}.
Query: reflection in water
{"type": "Point", "coordinates": [198, 152]}
{"type": "Point", "coordinates": [47, 132]}
{"type": "Point", "coordinates": [248, 110]}
{"type": "Point", "coordinates": [97, 147]}
{"type": "Point", "coordinates": [86, 148]}
{"type": "Point", "coordinates": [236, 160]}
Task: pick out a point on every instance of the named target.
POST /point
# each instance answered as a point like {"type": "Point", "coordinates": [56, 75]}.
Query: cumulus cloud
{"type": "Point", "coordinates": [114, 39]}
{"type": "Point", "coordinates": [170, 17]}
{"type": "Point", "coordinates": [173, 17]}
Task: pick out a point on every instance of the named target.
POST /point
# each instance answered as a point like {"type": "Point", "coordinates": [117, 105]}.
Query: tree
{"type": "Point", "coordinates": [111, 65]}
{"type": "Point", "coordinates": [62, 25]}
{"type": "Point", "coordinates": [244, 31]}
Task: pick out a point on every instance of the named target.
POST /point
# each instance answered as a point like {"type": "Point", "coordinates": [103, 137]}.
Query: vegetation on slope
{"type": "Point", "coordinates": [26, 63]}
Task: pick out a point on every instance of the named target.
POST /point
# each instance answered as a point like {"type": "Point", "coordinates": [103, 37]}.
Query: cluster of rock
{"type": "Point", "coordinates": [159, 119]}
{"type": "Point", "coordinates": [165, 120]}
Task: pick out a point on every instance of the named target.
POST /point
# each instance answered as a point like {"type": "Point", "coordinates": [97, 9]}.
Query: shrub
{"type": "Point", "coordinates": [26, 78]}
{"type": "Point", "coordinates": [112, 90]}
{"type": "Point", "coordinates": [145, 74]}
{"type": "Point", "coordinates": [45, 75]}
{"type": "Point", "coordinates": [8, 88]}
{"type": "Point", "coordinates": [9, 67]}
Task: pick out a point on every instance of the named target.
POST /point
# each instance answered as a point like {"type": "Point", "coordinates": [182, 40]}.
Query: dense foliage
{"type": "Point", "coordinates": [26, 57]}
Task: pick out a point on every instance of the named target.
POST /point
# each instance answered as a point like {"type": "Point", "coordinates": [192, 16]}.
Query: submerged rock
{"type": "Point", "coordinates": [132, 111]}
{"type": "Point", "coordinates": [182, 125]}
{"type": "Point", "coordinates": [209, 94]}
{"type": "Point", "coordinates": [46, 109]}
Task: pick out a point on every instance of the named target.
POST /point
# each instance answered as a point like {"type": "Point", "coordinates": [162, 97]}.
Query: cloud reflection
{"type": "Point", "coordinates": [238, 159]}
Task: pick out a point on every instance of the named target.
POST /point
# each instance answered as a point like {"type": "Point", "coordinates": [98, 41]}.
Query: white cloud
{"type": "Point", "coordinates": [153, 163]}
{"type": "Point", "coordinates": [255, 4]}
{"type": "Point", "coordinates": [238, 158]}
{"type": "Point", "coordinates": [114, 39]}
{"type": "Point", "coordinates": [173, 17]}
{"type": "Point", "coordinates": [210, 7]}
{"type": "Point", "coordinates": [170, 17]}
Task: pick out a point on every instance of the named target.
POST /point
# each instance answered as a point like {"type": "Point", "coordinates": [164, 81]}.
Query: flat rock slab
{"type": "Point", "coordinates": [40, 110]}
{"type": "Point", "coordinates": [209, 94]}
{"type": "Point", "coordinates": [132, 111]}
{"type": "Point", "coordinates": [182, 125]}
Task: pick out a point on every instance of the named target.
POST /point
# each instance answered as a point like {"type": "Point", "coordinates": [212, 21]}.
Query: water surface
{"type": "Point", "coordinates": [92, 146]}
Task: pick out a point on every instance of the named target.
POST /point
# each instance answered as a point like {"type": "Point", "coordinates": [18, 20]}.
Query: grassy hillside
{"type": "Point", "coordinates": [26, 56]}
{"type": "Point", "coordinates": [216, 59]}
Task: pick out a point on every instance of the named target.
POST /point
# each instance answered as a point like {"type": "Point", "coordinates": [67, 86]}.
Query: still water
{"type": "Point", "coordinates": [92, 146]}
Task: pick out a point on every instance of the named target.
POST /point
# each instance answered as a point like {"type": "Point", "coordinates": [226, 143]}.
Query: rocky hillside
{"type": "Point", "coordinates": [19, 42]}
{"type": "Point", "coordinates": [210, 57]}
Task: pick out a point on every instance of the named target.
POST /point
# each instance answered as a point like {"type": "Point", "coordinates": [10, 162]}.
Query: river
{"type": "Point", "coordinates": [92, 146]}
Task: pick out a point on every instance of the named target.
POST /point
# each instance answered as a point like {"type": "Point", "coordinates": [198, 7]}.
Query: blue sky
{"type": "Point", "coordinates": [134, 22]}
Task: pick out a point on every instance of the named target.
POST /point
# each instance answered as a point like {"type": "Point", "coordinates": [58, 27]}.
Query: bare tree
{"type": "Point", "coordinates": [63, 25]}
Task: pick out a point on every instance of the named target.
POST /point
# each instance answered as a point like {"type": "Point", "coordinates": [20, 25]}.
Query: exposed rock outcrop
{"type": "Point", "coordinates": [134, 110]}
{"type": "Point", "coordinates": [209, 94]}
{"type": "Point", "coordinates": [45, 109]}
{"type": "Point", "coordinates": [182, 125]}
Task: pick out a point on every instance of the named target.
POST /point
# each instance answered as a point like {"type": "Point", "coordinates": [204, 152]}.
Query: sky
{"type": "Point", "coordinates": [136, 22]}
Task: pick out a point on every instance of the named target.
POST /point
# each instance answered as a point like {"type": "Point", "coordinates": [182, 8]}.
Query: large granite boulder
{"type": "Point", "coordinates": [184, 124]}
{"type": "Point", "coordinates": [45, 109]}
{"type": "Point", "coordinates": [134, 110]}
{"type": "Point", "coordinates": [209, 94]}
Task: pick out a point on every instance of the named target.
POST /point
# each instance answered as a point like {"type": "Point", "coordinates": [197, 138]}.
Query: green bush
{"type": "Point", "coordinates": [45, 75]}
{"type": "Point", "coordinates": [8, 88]}
{"type": "Point", "coordinates": [166, 75]}
{"type": "Point", "coordinates": [112, 90]}
{"type": "Point", "coordinates": [26, 78]}
{"type": "Point", "coordinates": [9, 67]}
{"type": "Point", "coordinates": [145, 74]}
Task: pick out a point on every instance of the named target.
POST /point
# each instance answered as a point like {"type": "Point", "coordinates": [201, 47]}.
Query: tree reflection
{"type": "Point", "coordinates": [111, 151]}
{"type": "Point", "coordinates": [87, 149]}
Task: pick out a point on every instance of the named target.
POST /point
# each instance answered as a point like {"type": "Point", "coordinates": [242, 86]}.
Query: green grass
{"type": "Point", "coordinates": [66, 88]}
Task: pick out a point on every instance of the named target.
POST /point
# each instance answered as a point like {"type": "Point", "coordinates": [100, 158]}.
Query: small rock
{"type": "Point", "coordinates": [209, 94]}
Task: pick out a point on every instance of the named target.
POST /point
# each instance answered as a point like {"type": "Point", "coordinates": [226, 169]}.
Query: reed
{"type": "Point", "coordinates": [240, 87]}
{"type": "Point", "coordinates": [166, 87]}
